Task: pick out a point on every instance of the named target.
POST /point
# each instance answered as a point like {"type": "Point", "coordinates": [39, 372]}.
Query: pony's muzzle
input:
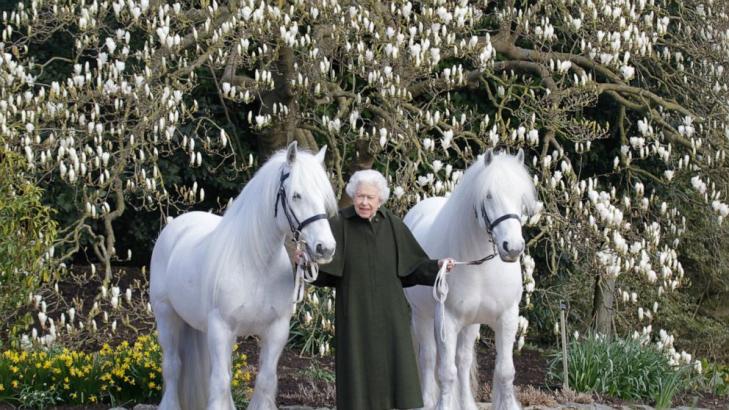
{"type": "Point", "coordinates": [511, 252]}
{"type": "Point", "coordinates": [323, 253]}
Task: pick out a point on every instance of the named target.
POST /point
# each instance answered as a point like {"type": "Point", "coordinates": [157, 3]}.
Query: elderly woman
{"type": "Point", "coordinates": [376, 257]}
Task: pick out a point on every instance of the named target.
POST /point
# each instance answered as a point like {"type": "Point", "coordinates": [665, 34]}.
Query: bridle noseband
{"type": "Point", "coordinates": [491, 225]}
{"type": "Point", "coordinates": [295, 225]}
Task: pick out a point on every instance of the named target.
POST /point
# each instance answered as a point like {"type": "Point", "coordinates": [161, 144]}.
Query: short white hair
{"type": "Point", "coordinates": [372, 177]}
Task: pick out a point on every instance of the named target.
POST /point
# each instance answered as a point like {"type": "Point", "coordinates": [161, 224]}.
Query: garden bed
{"type": "Point", "coordinates": [309, 380]}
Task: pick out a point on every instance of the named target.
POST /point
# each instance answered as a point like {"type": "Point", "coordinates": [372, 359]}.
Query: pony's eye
{"type": "Point", "coordinates": [488, 196]}
{"type": "Point", "coordinates": [296, 196]}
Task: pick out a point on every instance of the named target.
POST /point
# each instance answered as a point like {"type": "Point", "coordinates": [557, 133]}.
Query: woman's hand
{"type": "Point", "coordinates": [450, 263]}
{"type": "Point", "coordinates": [298, 255]}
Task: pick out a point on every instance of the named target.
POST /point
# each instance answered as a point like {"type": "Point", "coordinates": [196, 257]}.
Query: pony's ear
{"type": "Point", "coordinates": [321, 154]}
{"type": "Point", "coordinates": [291, 152]}
{"type": "Point", "coordinates": [488, 157]}
{"type": "Point", "coordinates": [520, 155]}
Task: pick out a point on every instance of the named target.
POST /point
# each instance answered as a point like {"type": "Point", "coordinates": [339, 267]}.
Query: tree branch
{"type": "Point", "coordinates": [603, 87]}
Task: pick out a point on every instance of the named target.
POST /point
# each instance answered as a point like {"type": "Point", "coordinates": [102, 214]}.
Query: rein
{"type": "Point", "coordinates": [440, 287]}
{"type": "Point", "coordinates": [307, 270]}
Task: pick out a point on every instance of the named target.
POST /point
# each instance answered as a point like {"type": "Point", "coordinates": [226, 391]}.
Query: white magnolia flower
{"type": "Point", "coordinates": [437, 165]}
{"type": "Point", "coordinates": [628, 72]}
{"type": "Point", "coordinates": [398, 191]}
{"type": "Point", "coordinates": [446, 140]}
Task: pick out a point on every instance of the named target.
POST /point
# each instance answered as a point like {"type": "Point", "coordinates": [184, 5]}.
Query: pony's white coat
{"type": "Point", "coordinates": [488, 293]}
{"type": "Point", "coordinates": [215, 278]}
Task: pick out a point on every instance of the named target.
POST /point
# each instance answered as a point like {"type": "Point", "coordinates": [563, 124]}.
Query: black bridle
{"type": "Point", "coordinates": [295, 225]}
{"type": "Point", "coordinates": [491, 225]}
{"type": "Point", "coordinates": [490, 228]}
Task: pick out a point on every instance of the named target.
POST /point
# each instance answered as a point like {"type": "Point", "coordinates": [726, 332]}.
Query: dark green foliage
{"type": "Point", "coordinates": [621, 368]}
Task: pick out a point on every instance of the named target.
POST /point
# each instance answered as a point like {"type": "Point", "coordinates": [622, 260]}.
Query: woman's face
{"type": "Point", "coordinates": [366, 200]}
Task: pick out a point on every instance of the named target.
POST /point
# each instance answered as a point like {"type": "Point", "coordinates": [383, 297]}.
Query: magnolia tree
{"type": "Point", "coordinates": [118, 101]}
{"type": "Point", "coordinates": [621, 105]}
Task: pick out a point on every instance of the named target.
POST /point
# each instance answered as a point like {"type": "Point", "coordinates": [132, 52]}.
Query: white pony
{"type": "Point", "coordinates": [215, 278]}
{"type": "Point", "coordinates": [481, 216]}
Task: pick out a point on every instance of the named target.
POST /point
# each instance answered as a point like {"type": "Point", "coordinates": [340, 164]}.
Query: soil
{"type": "Point", "coordinates": [295, 388]}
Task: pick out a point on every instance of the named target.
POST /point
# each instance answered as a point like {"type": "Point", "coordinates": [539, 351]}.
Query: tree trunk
{"type": "Point", "coordinates": [602, 308]}
{"type": "Point", "coordinates": [281, 132]}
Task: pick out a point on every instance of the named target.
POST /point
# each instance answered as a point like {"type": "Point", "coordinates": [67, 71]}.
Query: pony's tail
{"type": "Point", "coordinates": [195, 371]}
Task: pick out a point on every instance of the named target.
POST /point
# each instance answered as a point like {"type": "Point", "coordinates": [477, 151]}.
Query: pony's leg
{"type": "Point", "coordinates": [423, 333]}
{"type": "Point", "coordinates": [464, 362]}
{"type": "Point", "coordinates": [272, 344]}
{"type": "Point", "coordinates": [446, 347]}
{"type": "Point", "coordinates": [503, 386]}
{"type": "Point", "coordinates": [169, 326]}
{"type": "Point", "coordinates": [220, 345]}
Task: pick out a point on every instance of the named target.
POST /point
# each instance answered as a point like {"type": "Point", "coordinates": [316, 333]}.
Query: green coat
{"type": "Point", "coordinates": [375, 363]}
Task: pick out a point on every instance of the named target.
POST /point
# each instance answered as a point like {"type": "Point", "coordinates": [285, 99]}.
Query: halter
{"type": "Point", "coordinates": [295, 225]}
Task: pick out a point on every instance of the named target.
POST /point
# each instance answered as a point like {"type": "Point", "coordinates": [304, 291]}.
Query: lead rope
{"type": "Point", "coordinates": [440, 287]}
{"type": "Point", "coordinates": [306, 272]}
{"type": "Point", "coordinates": [440, 293]}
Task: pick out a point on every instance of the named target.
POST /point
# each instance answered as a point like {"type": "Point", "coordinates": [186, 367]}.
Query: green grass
{"type": "Point", "coordinates": [315, 372]}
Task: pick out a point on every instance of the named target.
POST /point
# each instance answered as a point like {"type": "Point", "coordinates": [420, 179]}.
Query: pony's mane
{"type": "Point", "coordinates": [248, 235]}
{"type": "Point", "coordinates": [506, 175]}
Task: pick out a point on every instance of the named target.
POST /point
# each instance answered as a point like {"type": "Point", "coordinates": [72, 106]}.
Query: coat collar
{"type": "Point", "coordinates": [349, 212]}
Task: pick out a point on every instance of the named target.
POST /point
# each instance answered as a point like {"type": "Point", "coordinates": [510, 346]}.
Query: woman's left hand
{"type": "Point", "coordinates": [298, 255]}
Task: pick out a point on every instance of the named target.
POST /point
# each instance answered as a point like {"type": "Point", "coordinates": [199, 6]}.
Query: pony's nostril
{"type": "Point", "coordinates": [324, 251]}
{"type": "Point", "coordinates": [506, 246]}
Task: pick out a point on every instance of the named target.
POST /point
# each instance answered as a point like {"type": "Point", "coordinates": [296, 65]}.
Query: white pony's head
{"type": "Point", "coordinates": [304, 201]}
{"type": "Point", "coordinates": [503, 191]}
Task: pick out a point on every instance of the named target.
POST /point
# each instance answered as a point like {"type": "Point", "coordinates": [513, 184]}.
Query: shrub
{"type": "Point", "coordinates": [26, 234]}
{"type": "Point", "coordinates": [120, 375]}
{"type": "Point", "coordinates": [621, 368]}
